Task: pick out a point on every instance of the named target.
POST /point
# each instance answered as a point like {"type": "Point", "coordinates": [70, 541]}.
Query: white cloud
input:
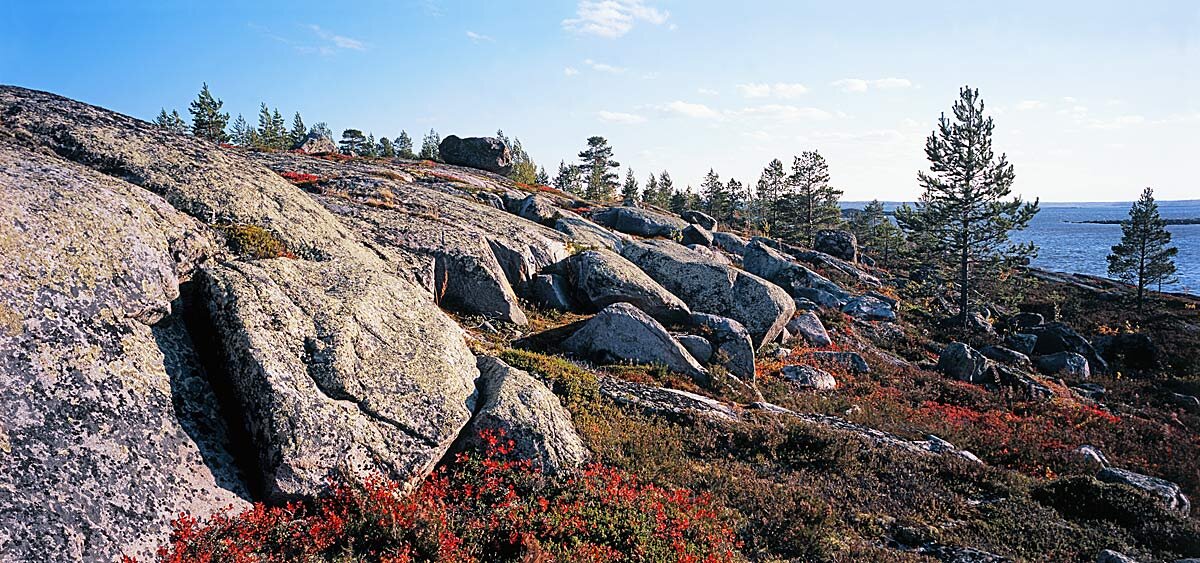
{"type": "Point", "coordinates": [477, 37]}
{"type": "Point", "coordinates": [1026, 105]}
{"type": "Point", "coordinates": [570, 71]}
{"type": "Point", "coordinates": [620, 117]}
{"type": "Point", "coordinates": [612, 18]}
{"type": "Point", "coordinates": [778, 90]}
{"type": "Point", "coordinates": [688, 109]}
{"type": "Point", "coordinates": [707, 92]}
{"type": "Point", "coordinates": [1117, 122]}
{"type": "Point", "coordinates": [779, 112]}
{"type": "Point", "coordinates": [860, 85]}
{"type": "Point", "coordinates": [338, 41]}
{"type": "Point", "coordinates": [603, 67]}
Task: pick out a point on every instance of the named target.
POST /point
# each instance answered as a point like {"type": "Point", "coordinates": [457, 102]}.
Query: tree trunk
{"type": "Point", "coordinates": [964, 301]}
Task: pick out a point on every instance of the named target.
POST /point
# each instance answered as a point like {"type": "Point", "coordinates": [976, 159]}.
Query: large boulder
{"type": "Point", "coordinates": [1167, 492]}
{"type": "Point", "coordinates": [1067, 364]}
{"type": "Point", "coordinates": [314, 143]}
{"type": "Point", "coordinates": [338, 367]}
{"type": "Point", "coordinates": [640, 222]}
{"type": "Point", "coordinates": [964, 363]}
{"type": "Point", "coordinates": [1058, 337]}
{"type": "Point", "coordinates": [539, 210]}
{"type": "Point", "coordinates": [809, 326]}
{"type": "Point", "coordinates": [1130, 349]}
{"type": "Point", "coordinates": [108, 425]}
{"type": "Point", "coordinates": [602, 277]}
{"type": "Point", "coordinates": [837, 243]}
{"type": "Point", "coordinates": [549, 291]}
{"type": "Point", "coordinates": [696, 235]}
{"type": "Point", "coordinates": [529, 414]}
{"type": "Point", "coordinates": [624, 333]}
{"type": "Point", "coordinates": [705, 220]}
{"type": "Point", "coordinates": [1007, 356]}
{"type": "Point", "coordinates": [770, 264]}
{"type": "Point", "coordinates": [730, 243]}
{"type": "Point", "coordinates": [698, 346]}
{"type": "Point", "coordinates": [849, 361]}
{"type": "Point", "coordinates": [731, 344]}
{"type": "Point", "coordinates": [762, 307]}
{"type": "Point", "coordinates": [483, 153]}
{"type": "Point", "coordinates": [586, 234]}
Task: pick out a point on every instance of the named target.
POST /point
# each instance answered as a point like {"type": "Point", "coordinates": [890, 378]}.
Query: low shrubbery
{"type": "Point", "coordinates": [479, 507]}
{"type": "Point", "coordinates": [252, 242]}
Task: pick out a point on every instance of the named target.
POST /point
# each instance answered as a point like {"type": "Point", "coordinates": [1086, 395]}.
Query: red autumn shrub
{"type": "Point", "coordinates": [299, 177]}
{"type": "Point", "coordinates": [485, 506]}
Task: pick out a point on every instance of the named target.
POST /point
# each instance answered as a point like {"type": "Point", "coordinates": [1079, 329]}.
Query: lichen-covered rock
{"type": "Point", "coordinates": [732, 347]}
{"type": "Point", "coordinates": [1007, 356]}
{"type": "Point", "coordinates": [539, 210]}
{"type": "Point", "coordinates": [1167, 492]}
{"type": "Point", "coordinates": [314, 143]}
{"type": "Point", "coordinates": [869, 308]}
{"type": "Point", "coordinates": [730, 243]}
{"type": "Point", "coordinates": [549, 291]}
{"type": "Point", "coordinates": [339, 367]}
{"type": "Point", "coordinates": [964, 363]}
{"type": "Point", "coordinates": [483, 153]}
{"type": "Point", "coordinates": [1058, 337]}
{"type": "Point", "coordinates": [696, 235]}
{"type": "Point", "coordinates": [586, 234]}
{"type": "Point", "coordinates": [809, 326]}
{"type": "Point", "coordinates": [520, 406]}
{"type": "Point", "coordinates": [809, 377]}
{"type": "Point", "coordinates": [700, 218]}
{"type": "Point", "coordinates": [1023, 343]}
{"type": "Point", "coordinates": [108, 426]}
{"type": "Point", "coordinates": [623, 333]}
{"type": "Point", "coordinates": [770, 264]}
{"type": "Point", "coordinates": [698, 346]}
{"type": "Point", "coordinates": [763, 308]}
{"type": "Point", "coordinates": [602, 277]}
{"type": "Point", "coordinates": [851, 361]}
{"type": "Point", "coordinates": [837, 243]}
{"type": "Point", "coordinates": [640, 222]}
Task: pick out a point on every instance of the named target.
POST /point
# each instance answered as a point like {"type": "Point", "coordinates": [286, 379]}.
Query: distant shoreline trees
{"type": "Point", "coordinates": [1142, 257]}
{"type": "Point", "coordinates": [207, 120]}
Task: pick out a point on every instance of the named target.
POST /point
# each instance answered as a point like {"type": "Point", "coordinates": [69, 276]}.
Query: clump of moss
{"type": "Point", "coordinates": [251, 242]}
{"type": "Point", "coordinates": [577, 387]}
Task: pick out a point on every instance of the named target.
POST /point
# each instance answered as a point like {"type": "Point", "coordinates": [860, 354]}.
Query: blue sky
{"type": "Point", "coordinates": [1092, 100]}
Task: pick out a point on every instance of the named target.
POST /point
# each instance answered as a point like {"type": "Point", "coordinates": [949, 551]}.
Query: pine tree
{"type": "Point", "coordinates": [876, 234]}
{"type": "Point", "coordinates": [352, 141]}
{"type": "Point", "coordinates": [523, 168]}
{"type": "Point", "coordinates": [241, 132]}
{"type": "Point", "coordinates": [321, 129]}
{"type": "Point", "coordinates": [712, 191]}
{"type": "Point", "coordinates": [810, 203]}
{"type": "Point", "coordinates": [299, 132]}
{"type": "Point", "coordinates": [267, 137]}
{"type": "Point", "coordinates": [962, 219]}
{"type": "Point", "coordinates": [666, 189]}
{"type": "Point", "coordinates": [679, 202]}
{"type": "Point", "coordinates": [543, 179]}
{"type": "Point", "coordinates": [279, 131]}
{"type": "Point", "coordinates": [629, 192]}
{"type": "Point", "coordinates": [650, 193]}
{"type": "Point", "coordinates": [404, 146]}
{"type": "Point", "coordinates": [772, 184]}
{"type": "Point", "coordinates": [429, 146]}
{"type": "Point", "coordinates": [568, 179]}
{"type": "Point", "coordinates": [1142, 257]}
{"type": "Point", "coordinates": [386, 149]}
{"type": "Point", "coordinates": [736, 192]}
{"type": "Point", "coordinates": [368, 147]}
{"type": "Point", "coordinates": [597, 168]}
{"type": "Point", "coordinates": [207, 120]}
{"type": "Point", "coordinates": [171, 121]}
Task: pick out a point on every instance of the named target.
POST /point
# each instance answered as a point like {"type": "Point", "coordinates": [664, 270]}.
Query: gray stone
{"type": "Point", "coordinates": [731, 344]}
{"type": "Point", "coordinates": [550, 291]}
{"type": "Point", "coordinates": [520, 406]}
{"type": "Point", "coordinates": [316, 144]}
{"type": "Point", "coordinates": [640, 222]}
{"type": "Point", "coordinates": [622, 332]}
{"type": "Point", "coordinates": [1167, 492]}
{"type": "Point", "coordinates": [1110, 556]}
{"type": "Point", "coordinates": [1092, 454]}
{"type": "Point", "coordinates": [809, 326]}
{"type": "Point", "coordinates": [586, 234]}
{"type": "Point", "coordinates": [716, 256]}
{"type": "Point", "coordinates": [490, 199]}
{"type": "Point", "coordinates": [761, 307]}
{"type": "Point", "coordinates": [809, 377]}
{"type": "Point", "coordinates": [700, 218]}
{"type": "Point", "coordinates": [1026, 320]}
{"type": "Point", "coordinates": [772, 265]}
{"type": "Point", "coordinates": [870, 308]}
{"type": "Point", "coordinates": [695, 234]}
{"type": "Point", "coordinates": [837, 243]}
{"type": "Point", "coordinates": [339, 367]}
{"type": "Point", "coordinates": [539, 210]}
{"type": "Point", "coordinates": [663, 400]}
{"type": "Point", "coordinates": [1058, 337]}
{"type": "Point", "coordinates": [1093, 391]}
{"type": "Point", "coordinates": [1067, 364]}
{"type": "Point", "coordinates": [483, 153]}
{"type": "Point", "coordinates": [730, 243]}
{"type": "Point", "coordinates": [602, 277]}
{"type": "Point", "coordinates": [964, 363]}
{"type": "Point", "coordinates": [1023, 343]}
{"type": "Point", "coordinates": [803, 304]}
{"type": "Point", "coordinates": [850, 361]}
{"type": "Point", "coordinates": [1189, 402]}
{"type": "Point", "coordinates": [1007, 356]}
{"type": "Point", "coordinates": [698, 346]}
